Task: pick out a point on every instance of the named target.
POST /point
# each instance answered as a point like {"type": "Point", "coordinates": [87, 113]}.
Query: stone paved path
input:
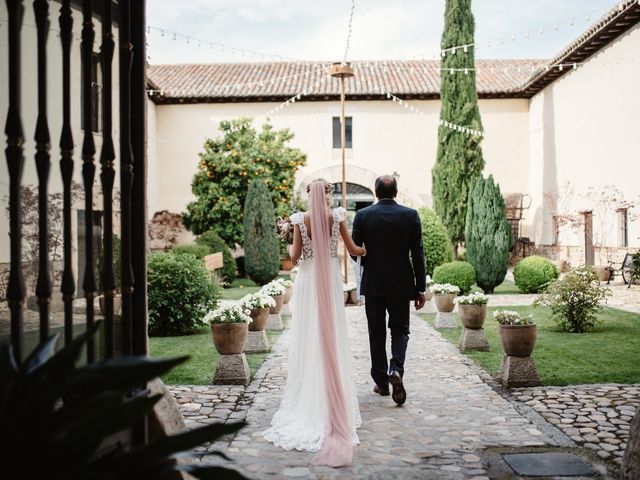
{"type": "Point", "coordinates": [597, 417]}
{"type": "Point", "coordinates": [450, 414]}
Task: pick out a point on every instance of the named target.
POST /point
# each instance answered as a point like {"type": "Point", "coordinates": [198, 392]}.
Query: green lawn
{"type": "Point", "coordinates": [204, 357]}
{"type": "Point", "coordinates": [241, 287]}
{"type": "Point", "coordinates": [608, 354]}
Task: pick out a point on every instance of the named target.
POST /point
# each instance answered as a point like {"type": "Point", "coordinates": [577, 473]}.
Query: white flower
{"type": "Point", "coordinates": [274, 289]}
{"type": "Point", "coordinates": [285, 283]}
{"type": "Point", "coordinates": [445, 288]}
{"type": "Point", "coordinates": [475, 298]}
{"type": "Point", "coordinates": [257, 300]}
{"type": "Point", "coordinates": [510, 317]}
{"type": "Point", "coordinates": [232, 313]}
{"type": "Point", "coordinates": [350, 287]}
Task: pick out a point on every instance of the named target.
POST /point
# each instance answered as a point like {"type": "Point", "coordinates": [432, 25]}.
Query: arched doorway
{"type": "Point", "coordinates": [358, 196]}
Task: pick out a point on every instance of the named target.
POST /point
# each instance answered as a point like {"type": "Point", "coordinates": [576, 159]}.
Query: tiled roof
{"type": "Point", "coordinates": [417, 79]}
{"type": "Point", "coordinates": [409, 78]}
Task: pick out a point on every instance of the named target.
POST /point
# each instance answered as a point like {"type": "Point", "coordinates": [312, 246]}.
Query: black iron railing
{"type": "Point", "coordinates": [122, 25]}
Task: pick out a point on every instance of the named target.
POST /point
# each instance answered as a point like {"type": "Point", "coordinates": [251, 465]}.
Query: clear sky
{"type": "Point", "coordinates": [382, 29]}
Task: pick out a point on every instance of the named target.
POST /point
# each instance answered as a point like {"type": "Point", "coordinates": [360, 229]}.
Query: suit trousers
{"type": "Point", "coordinates": [398, 309]}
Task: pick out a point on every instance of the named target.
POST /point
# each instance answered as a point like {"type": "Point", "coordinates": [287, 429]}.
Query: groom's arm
{"type": "Point", "coordinates": [356, 232]}
{"type": "Point", "coordinates": [417, 256]}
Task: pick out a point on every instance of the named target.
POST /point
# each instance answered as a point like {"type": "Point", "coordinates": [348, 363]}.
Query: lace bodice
{"type": "Point", "coordinates": [339, 215]}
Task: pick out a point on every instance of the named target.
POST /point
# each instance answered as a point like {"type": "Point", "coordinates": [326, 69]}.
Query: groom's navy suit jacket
{"type": "Point", "coordinates": [392, 234]}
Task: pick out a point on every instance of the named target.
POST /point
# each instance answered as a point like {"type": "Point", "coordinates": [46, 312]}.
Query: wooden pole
{"type": "Point", "coordinates": [343, 145]}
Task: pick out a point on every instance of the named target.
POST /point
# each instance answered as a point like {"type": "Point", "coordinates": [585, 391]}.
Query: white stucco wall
{"type": "Point", "coordinates": [386, 138]}
{"type": "Point", "coordinates": [54, 106]}
{"type": "Point", "coordinates": [584, 133]}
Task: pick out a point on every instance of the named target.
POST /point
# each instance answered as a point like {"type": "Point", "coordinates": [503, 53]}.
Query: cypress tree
{"type": "Point", "coordinates": [487, 233]}
{"type": "Point", "coordinates": [459, 157]}
{"type": "Point", "coordinates": [261, 244]}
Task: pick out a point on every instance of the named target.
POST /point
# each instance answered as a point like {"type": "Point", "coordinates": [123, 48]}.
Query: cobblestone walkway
{"type": "Point", "coordinates": [450, 415]}
{"type": "Point", "coordinates": [597, 417]}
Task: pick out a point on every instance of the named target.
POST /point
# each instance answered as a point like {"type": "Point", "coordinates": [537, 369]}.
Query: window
{"type": "Point", "coordinates": [348, 132]}
{"type": "Point", "coordinates": [623, 227]}
{"type": "Point", "coordinates": [96, 89]}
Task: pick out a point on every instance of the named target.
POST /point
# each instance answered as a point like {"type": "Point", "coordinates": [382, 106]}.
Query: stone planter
{"type": "Point", "coordinates": [229, 338]}
{"type": "Point", "coordinates": [518, 340]}
{"type": "Point", "coordinates": [260, 316]}
{"type": "Point", "coordinates": [444, 302]}
{"type": "Point", "coordinates": [472, 316]}
{"type": "Point", "coordinates": [279, 302]}
{"type": "Point", "coordinates": [288, 294]}
{"type": "Point", "coordinates": [117, 304]}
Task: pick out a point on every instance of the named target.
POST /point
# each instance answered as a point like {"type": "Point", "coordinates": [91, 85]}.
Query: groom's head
{"type": "Point", "coordinates": [386, 187]}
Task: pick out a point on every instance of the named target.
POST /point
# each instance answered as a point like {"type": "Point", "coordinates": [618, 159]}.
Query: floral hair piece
{"type": "Point", "coordinates": [328, 188]}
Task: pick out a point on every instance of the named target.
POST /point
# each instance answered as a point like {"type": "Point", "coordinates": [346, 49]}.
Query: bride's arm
{"type": "Point", "coordinates": [352, 248]}
{"type": "Point", "coordinates": [295, 251]}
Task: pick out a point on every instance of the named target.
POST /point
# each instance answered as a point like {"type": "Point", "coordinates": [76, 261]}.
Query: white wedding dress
{"type": "Point", "coordinates": [301, 420]}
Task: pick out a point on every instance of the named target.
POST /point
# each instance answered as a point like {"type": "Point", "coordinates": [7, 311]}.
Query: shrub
{"type": "Point", "coordinates": [460, 274]}
{"type": "Point", "coordinates": [487, 233]}
{"type": "Point", "coordinates": [437, 247]}
{"type": "Point", "coordinates": [533, 274]}
{"type": "Point", "coordinates": [198, 251]}
{"type": "Point", "coordinates": [181, 292]}
{"type": "Point", "coordinates": [575, 299]}
{"type": "Point", "coordinates": [116, 264]}
{"type": "Point", "coordinates": [216, 244]}
{"type": "Point", "coordinates": [261, 245]}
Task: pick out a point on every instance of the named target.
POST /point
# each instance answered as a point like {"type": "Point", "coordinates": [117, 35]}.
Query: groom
{"type": "Point", "coordinates": [391, 233]}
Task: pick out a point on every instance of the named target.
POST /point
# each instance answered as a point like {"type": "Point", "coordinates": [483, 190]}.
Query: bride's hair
{"type": "Point", "coordinates": [328, 190]}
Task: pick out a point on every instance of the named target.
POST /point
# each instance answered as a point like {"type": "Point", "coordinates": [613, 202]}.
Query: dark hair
{"type": "Point", "coordinates": [386, 187]}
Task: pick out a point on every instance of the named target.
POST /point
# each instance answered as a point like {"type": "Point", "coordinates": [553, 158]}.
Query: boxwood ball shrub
{"type": "Point", "coordinates": [460, 274]}
{"type": "Point", "coordinates": [216, 244]}
{"type": "Point", "coordinates": [533, 274]}
{"type": "Point", "coordinates": [437, 247]}
{"type": "Point", "coordinates": [181, 292]}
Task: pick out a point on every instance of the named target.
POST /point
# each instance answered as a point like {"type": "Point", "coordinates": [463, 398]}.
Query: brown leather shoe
{"type": "Point", "coordinates": [399, 394]}
{"type": "Point", "coordinates": [384, 392]}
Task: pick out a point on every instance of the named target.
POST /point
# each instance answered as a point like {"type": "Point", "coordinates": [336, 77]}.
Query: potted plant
{"type": "Point", "coordinates": [517, 333]}
{"type": "Point", "coordinates": [473, 310]}
{"type": "Point", "coordinates": [428, 292]}
{"type": "Point", "coordinates": [288, 285]}
{"type": "Point", "coordinates": [276, 290]}
{"type": "Point", "coordinates": [444, 294]}
{"type": "Point", "coordinates": [258, 305]}
{"type": "Point", "coordinates": [229, 327]}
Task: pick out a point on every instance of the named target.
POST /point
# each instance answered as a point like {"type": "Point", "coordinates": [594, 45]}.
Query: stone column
{"type": "Point", "coordinates": [257, 342]}
{"type": "Point", "coordinates": [232, 370]}
{"type": "Point", "coordinates": [274, 323]}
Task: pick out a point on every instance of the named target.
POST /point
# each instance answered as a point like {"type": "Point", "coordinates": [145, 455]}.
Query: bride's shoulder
{"type": "Point", "coordinates": [339, 214]}
{"type": "Point", "coordinates": [297, 218]}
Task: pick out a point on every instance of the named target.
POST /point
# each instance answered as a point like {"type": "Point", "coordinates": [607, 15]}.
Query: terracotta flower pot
{"type": "Point", "coordinates": [229, 338]}
{"type": "Point", "coordinates": [286, 264]}
{"type": "Point", "coordinates": [472, 316]}
{"type": "Point", "coordinates": [444, 301]}
{"type": "Point", "coordinates": [260, 316]}
{"type": "Point", "coordinates": [429, 294]}
{"type": "Point", "coordinates": [346, 297]}
{"type": "Point", "coordinates": [288, 294]}
{"type": "Point", "coordinates": [604, 273]}
{"type": "Point", "coordinates": [518, 340]}
{"type": "Point", "coordinates": [279, 302]}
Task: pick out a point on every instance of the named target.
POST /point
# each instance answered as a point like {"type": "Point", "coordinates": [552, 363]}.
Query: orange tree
{"type": "Point", "coordinates": [228, 164]}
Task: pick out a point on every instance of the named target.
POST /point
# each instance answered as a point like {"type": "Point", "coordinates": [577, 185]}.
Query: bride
{"type": "Point", "coordinates": [319, 411]}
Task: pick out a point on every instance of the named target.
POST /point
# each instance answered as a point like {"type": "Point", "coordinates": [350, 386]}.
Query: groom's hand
{"type": "Point", "coordinates": [421, 299]}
